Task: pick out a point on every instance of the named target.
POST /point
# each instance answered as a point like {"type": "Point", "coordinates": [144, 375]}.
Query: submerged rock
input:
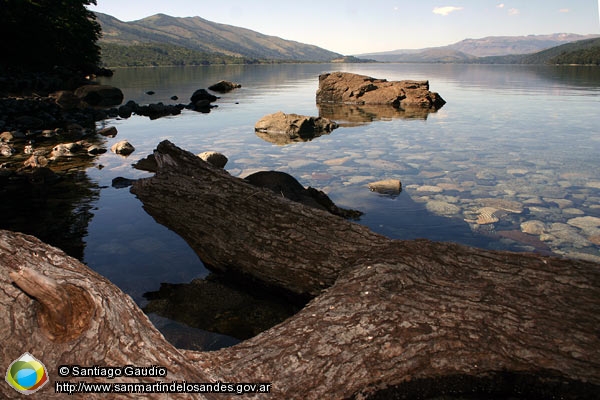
{"type": "Point", "coordinates": [563, 235]}
{"type": "Point", "coordinates": [442, 208]}
{"type": "Point", "coordinates": [533, 227]}
{"type": "Point", "coordinates": [589, 225]}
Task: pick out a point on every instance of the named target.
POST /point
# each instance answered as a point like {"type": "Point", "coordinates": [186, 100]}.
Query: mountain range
{"type": "Point", "coordinates": [204, 36]}
{"type": "Point", "coordinates": [469, 50]}
{"type": "Point", "coordinates": [164, 40]}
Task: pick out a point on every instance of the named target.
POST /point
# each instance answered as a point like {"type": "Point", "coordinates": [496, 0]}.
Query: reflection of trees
{"type": "Point", "coordinates": [55, 207]}
{"type": "Point", "coordinates": [354, 115]}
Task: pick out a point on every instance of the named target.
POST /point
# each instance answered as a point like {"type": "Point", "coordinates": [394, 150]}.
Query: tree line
{"type": "Point", "coordinates": [38, 35]}
{"type": "Point", "coordinates": [159, 54]}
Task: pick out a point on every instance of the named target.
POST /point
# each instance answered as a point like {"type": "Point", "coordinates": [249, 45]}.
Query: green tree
{"type": "Point", "coordinates": [40, 34]}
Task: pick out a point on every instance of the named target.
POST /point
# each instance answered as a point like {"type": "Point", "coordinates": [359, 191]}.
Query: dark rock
{"type": "Point", "coordinates": [284, 128]}
{"type": "Point", "coordinates": [201, 105]}
{"type": "Point", "coordinates": [348, 88]}
{"type": "Point", "coordinates": [158, 110]}
{"type": "Point", "coordinates": [29, 122]}
{"type": "Point", "coordinates": [153, 111]}
{"type": "Point", "coordinates": [224, 86]}
{"type": "Point", "coordinates": [287, 186]}
{"type": "Point", "coordinates": [42, 176]}
{"type": "Point", "coordinates": [202, 94]}
{"type": "Point", "coordinates": [150, 92]}
{"type": "Point", "coordinates": [174, 98]}
{"type": "Point", "coordinates": [125, 111]}
{"type": "Point", "coordinates": [147, 164]}
{"type": "Point", "coordinates": [112, 112]}
{"type": "Point", "coordinates": [67, 99]}
{"type": "Point", "coordinates": [95, 150]}
{"type": "Point", "coordinates": [100, 95]}
{"type": "Point", "coordinates": [120, 182]}
{"type": "Point", "coordinates": [110, 131]}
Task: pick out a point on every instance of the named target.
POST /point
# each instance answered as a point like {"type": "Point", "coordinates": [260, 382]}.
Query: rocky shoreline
{"type": "Point", "coordinates": [37, 128]}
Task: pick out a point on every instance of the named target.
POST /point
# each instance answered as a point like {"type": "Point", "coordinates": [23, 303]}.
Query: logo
{"type": "Point", "coordinates": [26, 374]}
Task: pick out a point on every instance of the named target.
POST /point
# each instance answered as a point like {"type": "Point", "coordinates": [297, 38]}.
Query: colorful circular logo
{"type": "Point", "coordinates": [26, 374]}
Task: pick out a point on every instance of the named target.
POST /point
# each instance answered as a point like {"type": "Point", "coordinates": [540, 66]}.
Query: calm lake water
{"type": "Point", "coordinates": [514, 150]}
{"type": "Point", "coordinates": [519, 143]}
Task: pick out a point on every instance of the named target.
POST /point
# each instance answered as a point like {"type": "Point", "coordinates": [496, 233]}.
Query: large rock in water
{"type": "Point", "coordinates": [348, 88]}
{"type": "Point", "coordinates": [284, 128]}
{"type": "Point", "coordinates": [100, 95]}
{"type": "Point", "coordinates": [224, 86]}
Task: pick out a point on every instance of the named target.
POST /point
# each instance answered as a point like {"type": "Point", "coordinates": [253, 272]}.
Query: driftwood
{"type": "Point", "coordinates": [387, 319]}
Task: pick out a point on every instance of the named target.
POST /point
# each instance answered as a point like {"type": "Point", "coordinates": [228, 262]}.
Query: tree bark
{"type": "Point", "coordinates": [102, 326]}
{"type": "Point", "coordinates": [244, 230]}
{"type": "Point", "coordinates": [388, 318]}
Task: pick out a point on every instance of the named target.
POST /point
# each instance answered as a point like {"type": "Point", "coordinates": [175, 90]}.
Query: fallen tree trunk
{"type": "Point", "coordinates": [390, 318]}
{"type": "Point", "coordinates": [240, 229]}
{"type": "Point", "coordinates": [63, 313]}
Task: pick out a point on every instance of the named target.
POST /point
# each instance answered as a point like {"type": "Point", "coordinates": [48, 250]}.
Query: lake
{"type": "Point", "coordinates": [510, 162]}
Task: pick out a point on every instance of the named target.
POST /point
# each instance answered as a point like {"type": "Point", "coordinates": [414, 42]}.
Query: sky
{"type": "Point", "coordinates": [357, 26]}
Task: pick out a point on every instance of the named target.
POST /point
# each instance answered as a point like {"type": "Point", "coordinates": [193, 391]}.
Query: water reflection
{"type": "Point", "coordinates": [355, 115]}
{"type": "Point", "coordinates": [216, 305]}
{"type": "Point", "coordinates": [54, 207]}
{"type": "Point", "coordinates": [167, 82]}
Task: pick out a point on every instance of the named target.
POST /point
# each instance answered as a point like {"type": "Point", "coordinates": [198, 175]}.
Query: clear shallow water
{"type": "Point", "coordinates": [523, 141]}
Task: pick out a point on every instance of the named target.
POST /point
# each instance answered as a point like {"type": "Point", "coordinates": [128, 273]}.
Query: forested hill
{"type": "Point", "coordinates": [582, 52]}
{"type": "Point", "coordinates": [200, 39]}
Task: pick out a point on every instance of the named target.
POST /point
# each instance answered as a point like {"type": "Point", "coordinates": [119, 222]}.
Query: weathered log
{"type": "Point", "coordinates": [240, 229]}
{"type": "Point", "coordinates": [390, 318]}
{"type": "Point", "coordinates": [461, 322]}
{"type": "Point", "coordinates": [63, 313]}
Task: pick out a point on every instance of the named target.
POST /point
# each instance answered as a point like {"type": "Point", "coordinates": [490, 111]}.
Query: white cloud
{"type": "Point", "coordinates": [446, 10]}
{"type": "Point", "coordinates": [564, 10]}
{"type": "Point", "coordinates": [513, 11]}
{"type": "Point", "coordinates": [501, 5]}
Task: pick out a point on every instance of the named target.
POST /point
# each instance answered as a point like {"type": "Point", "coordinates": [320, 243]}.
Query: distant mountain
{"type": "Point", "coordinates": [469, 49]}
{"type": "Point", "coordinates": [200, 35]}
{"type": "Point", "coordinates": [582, 52]}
